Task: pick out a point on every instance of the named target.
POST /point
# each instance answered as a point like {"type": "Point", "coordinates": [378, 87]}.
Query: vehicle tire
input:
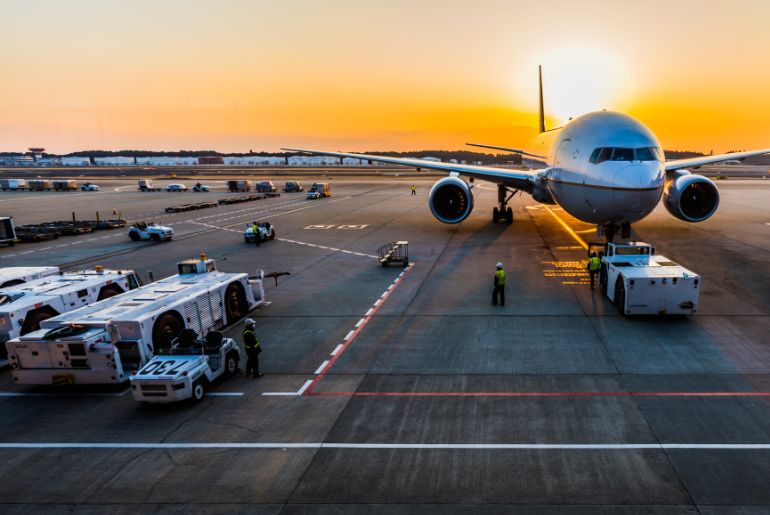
{"type": "Point", "coordinates": [134, 236]}
{"type": "Point", "coordinates": [109, 291]}
{"type": "Point", "coordinates": [11, 243]}
{"type": "Point", "coordinates": [272, 234]}
{"type": "Point", "coordinates": [198, 390]}
{"type": "Point", "coordinates": [495, 215]}
{"type": "Point", "coordinates": [235, 303]}
{"type": "Point", "coordinates": [167, 327]}
{"type": "Point", "coordinates": [231, 364]}
{"type": "Point", "coordinates": [33, 318]}
{"type": "Point", "coordinates": [155, 237]}
{"type": "Point", "coordinates": [509, 215]}
{"type": "Point", "coordinates": [620, 296]}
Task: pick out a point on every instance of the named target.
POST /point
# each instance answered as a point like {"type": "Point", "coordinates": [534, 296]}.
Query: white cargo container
{"type": "Point", "coordinates": [12, 275]}
{"type": "Point", "coordinates": [24, 306]}
{"type": "Point", "coordinates": [102, 343]}
{"type": "Point", "coordinates": [639, 282]}
{"type": "Point", "coordinates": [13, 184]}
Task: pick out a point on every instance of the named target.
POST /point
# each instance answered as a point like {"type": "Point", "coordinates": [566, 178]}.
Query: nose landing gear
{"type": "Point", "coordinates": [502, 213]}
{"type": "Point", "coordinates": [609, 231]}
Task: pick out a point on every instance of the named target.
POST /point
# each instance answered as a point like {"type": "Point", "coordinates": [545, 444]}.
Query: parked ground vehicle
{"type": "Point", "coordinates": [89, 187]}
{"type": "Point", "coordinates": [12, 275]}
{"type": "Point", "coordinates": [292, 186]}
{"type": "Point", "coordinates": [24, 306]}
{"type": "Point", "coordinates": [146, 185]}
{"type": "Point", "coordinates": [64, 185]}
{"type": "Point", "coordinates": [7, 231]}
{"type": "Point", "coordinates": [198, 188]}
{"type": "Point", "coordinates": [103, 342]}
{"type": "Point", "coordinates": [187, 369]}
{"type": "Point", "coordinates": [265, 187]}
{"type": "Point", "coordinates": [39, 185]}
{"type": "Point", "coordinates": [13, 184]}
{"type": "Point", "coordinates": [266, 232]}
{"type": "Point", "coordinates": [639, 282]}
{"type": "Point", "coordinates": [318, 190]}
{"type": "Point", "coordinates": [150, 231]}
{"type": "Point", "coordinates": [238, 186]}
{"type": "Point", "coordinates": [176, 186]}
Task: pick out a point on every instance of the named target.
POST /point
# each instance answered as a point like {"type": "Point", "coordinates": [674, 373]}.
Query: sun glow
{"type": "Point", "coordinates": [581, 79]}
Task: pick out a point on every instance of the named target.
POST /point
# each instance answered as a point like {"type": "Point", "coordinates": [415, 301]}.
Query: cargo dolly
{"type": "Point", "coordinates": [394, 252]}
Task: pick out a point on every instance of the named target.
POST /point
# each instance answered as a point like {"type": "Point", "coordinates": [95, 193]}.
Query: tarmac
{"type": "Point", "coordinates": [402, 390]}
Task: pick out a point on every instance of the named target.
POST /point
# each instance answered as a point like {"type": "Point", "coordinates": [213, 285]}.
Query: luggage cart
{"type": "Point", "coordinates": [394, 252]}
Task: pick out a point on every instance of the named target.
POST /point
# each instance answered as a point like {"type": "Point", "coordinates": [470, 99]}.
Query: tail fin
{"type": "Point", "coordinates": [540, 91]}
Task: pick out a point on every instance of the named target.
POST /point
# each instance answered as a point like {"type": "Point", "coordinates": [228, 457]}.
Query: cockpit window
{"type": "Point", "coordinates": [623, 154]}
{"type": "Point", "coordinates": [602, 154]}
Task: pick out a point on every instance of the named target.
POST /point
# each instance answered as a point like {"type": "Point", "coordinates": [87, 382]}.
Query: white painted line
{"type": "Point", "coordinates": [27, 252]}
{"type": "Point", "coordinates": [337, 349]}
{"type": "Point", "coordinates": [369, 312]}
{"type": "Point", "coordinates": [280, 394]}
{"type": "Point", "coordinates": [397, 446]}
{"type": "Point", "coordinates": [304, 387]}
{"type": "Point", "coordinates": [360, 322]}
{"type": "Point", "coordinates": [319, 369]}
{"type": "Point", "coordinates": [225, 394]}
{"type": "Point", "coordinates": [349, 335]}
{"type": "Point", "coordinates": [377, 302]}
{"type": "Point", "coordinates": [73, 394]}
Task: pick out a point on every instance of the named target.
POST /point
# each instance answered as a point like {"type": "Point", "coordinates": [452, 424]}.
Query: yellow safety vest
{"type": "Point", "coordinates": [500, 274]}
{"type": "Point", "coordinates": [594, 263]}
{"type": "Point", "coordinates": [245, 343]}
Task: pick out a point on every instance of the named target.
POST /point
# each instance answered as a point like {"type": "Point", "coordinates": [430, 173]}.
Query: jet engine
{"type": "Point", "coordinates": [451, 200]}
{"type": "Point", "coordinates": [692, 198]}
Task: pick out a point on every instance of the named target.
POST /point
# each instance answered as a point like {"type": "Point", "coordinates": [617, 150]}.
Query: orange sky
{"type": "Point", "coordinates": [234, 75]}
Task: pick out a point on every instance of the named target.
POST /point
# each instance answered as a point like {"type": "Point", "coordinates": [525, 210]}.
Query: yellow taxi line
{"type": "Point", "coordinates": [568, 228]}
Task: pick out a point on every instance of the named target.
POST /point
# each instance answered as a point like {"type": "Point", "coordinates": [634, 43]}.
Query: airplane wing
{"type": "Point", "coordinates": [518, 179]}
{"type": "Point", "coordinates": [705, 160]}
{"type": "Point", "coordinates": [506, 149]}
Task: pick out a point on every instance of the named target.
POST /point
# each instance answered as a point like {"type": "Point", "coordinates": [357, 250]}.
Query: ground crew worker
{"type": "Point", "coordinates": [414, 190]}
{"type": "Point", "coordinates": [594, 264]}
{"type": "Point", "coordinates": [255, 230]}
{"type": "Point", "coordinates": [252, 347]}
{"type": "Point", "coordinates": [499, 286]}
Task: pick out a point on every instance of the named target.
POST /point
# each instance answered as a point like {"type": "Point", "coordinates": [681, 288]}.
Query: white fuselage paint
{"type": "Point", "coordinates": [607, 192]}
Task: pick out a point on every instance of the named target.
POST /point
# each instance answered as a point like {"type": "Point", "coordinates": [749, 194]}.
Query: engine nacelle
{"type": "Point", "coordinates": [692, 198]}
{"type": "Point", "coordinates": [451, 200]}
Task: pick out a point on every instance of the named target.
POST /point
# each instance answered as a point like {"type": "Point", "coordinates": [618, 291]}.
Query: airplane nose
{"type": "Point", "coordinates": [632, 184]}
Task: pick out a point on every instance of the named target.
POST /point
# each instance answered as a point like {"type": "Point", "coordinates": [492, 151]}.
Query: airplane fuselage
{"type": "Point", "coordinates": [603, 168]}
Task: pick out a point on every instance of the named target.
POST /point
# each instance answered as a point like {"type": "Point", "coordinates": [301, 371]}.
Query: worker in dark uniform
{"type": "Point", "coordinates": [594, 264]}
{"type": "Point", "coordinates": [499, 288]}
{"type": "Point", "coordinates": [252, 347]}
{"type": "Point", "coordinates": [414, 190]}
{"type": "Point", "coordinates": [255, 230]}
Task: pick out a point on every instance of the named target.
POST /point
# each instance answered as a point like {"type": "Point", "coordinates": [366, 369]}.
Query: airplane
{"type": "Point", "coordinates": [604, 168]}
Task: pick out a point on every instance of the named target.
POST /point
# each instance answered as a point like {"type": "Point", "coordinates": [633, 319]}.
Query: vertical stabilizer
{"type": "Point", "coordinates": [540, 91]}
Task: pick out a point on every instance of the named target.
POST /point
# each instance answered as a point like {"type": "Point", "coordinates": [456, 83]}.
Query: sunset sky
{"type": "Point", "coordinates": [234, 75]}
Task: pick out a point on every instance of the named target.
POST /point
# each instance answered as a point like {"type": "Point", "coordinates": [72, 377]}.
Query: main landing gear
{"type": "Point", "coordinates": [609, 231]}
{"type": "Point", "coordinates": [502, 213]}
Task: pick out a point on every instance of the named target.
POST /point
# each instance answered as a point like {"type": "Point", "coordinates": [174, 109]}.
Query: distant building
{"type": "Point", "coordinates": [114, 161]}
{"type": "Point", "coordinates": [211, 160]}
{"type": "Point", "coordinates": [16, 160]}
{"type": "Point", "coordinates": [255, 160]}
{"type": "Point", "coordinates": [313, 161]}
{"type": "Point", "coordinates": [436, 159]}
{"type": "Point", "coordinates": [75, 161]}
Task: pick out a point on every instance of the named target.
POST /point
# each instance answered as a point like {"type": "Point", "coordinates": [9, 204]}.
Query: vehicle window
{"type": "Point", "coordinates": [645, 154]}
{"type": "Point", "coordinates": [82, 293]}
{"type": "Point", "coordinates": [623, 154]}
{"type": "Point", "coordinates": [658, 153]}
{"type": "Point", "coordinates": [605, 154]}
{"type": "Point", "coordinates": [595, 155]}
{"type": "Point", "coordinates": [632, 251]}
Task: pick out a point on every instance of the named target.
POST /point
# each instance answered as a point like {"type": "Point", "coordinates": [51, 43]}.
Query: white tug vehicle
{"type": "Point", "coordinates": [639, 282]}
{"type": "Point", "coordinates": [186, 370]}
{"type": "Point", "coordinates": [23, 307]}
{"type": "Point", "coordinates": [144, 231]}
{"type": "Point", "coordinates": [266, 232]}
{"type": "Point", "coordinates": [12, 275]}
{"type": "Point", "coordinates": [104, 342]}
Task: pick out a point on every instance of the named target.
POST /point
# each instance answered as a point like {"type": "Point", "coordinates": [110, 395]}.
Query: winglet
{"type": "Point", "coordinates": [540, 91]}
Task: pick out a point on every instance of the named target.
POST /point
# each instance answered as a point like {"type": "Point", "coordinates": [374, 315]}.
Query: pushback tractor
{"type": "Point", "coordinates": [23, 307]}
{"type": "Point", "coordinates": [639, 282]}
{"type": "Point", "coordinates": [104, 342]}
